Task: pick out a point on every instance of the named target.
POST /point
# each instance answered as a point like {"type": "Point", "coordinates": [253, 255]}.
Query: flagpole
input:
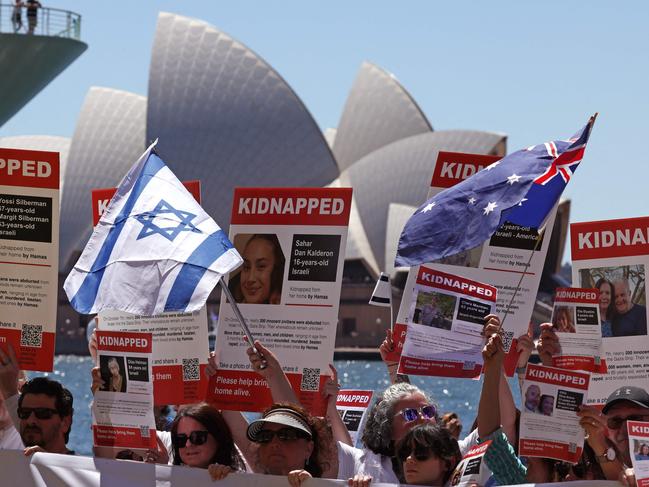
{"type": "Point", "coordinates": [242, 320]}
{"type": "Point", "coordinates": [591, 121]}
{"type": "Point", "coordinates": [520, 281]}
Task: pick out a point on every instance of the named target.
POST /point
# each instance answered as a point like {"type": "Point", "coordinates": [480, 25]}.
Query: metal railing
{"type": "Point", "coordinates": [48, 21]}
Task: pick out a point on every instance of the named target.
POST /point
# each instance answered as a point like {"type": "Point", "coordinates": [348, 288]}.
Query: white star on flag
{"type": "Point", "coordinates": [491, 166]}
{"type": "Point", "coordinates": [472, 200]}
{"type": "Point", "coordinates": [491, 206]}
{"type": "Point", "coordinates": [523, 200]}
{"type": "Point", "coordinates": [514, 178]}
{"type": "Point", "coordinates": [428, 207]}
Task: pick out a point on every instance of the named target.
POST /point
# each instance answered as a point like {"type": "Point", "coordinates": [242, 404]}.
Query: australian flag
{"type": "Point", "coordinates": [522, 188]}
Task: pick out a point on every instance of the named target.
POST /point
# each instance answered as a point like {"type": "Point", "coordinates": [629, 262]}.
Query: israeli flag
{"type": "Point", "coordinates": [153, 250]}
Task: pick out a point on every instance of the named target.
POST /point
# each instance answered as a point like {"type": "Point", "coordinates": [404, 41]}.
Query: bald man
{"type": "Point", "coordinates": [630, 319]}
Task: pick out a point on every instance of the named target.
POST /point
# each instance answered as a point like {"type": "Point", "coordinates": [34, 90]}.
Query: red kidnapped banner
{"type": "Point", "coordinates": [29, 168]}
{"type": "Point", "coordinates": [453, 167]}
{"type": "Point", "coordinates": [449, 282]}
{"type": "Point", "coordinates": [290, 206]}
{"type": "Point", "coordinates": [558, 377]}
{"type": "Point", "coordinates": [610, 238]}
{"type": "Point", "coordinates": [353, 399]}
{"type": "Point", "coordinates": [122, 341]}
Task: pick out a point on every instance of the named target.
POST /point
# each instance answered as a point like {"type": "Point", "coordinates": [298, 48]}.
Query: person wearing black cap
{"type": "Point", "coordinates": [606, 432]}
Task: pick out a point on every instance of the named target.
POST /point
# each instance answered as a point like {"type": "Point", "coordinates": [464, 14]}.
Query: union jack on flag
{"type": "Point", "coordinates": [564, 157]}
{"type": "Point", "coordinates": [521, 188]}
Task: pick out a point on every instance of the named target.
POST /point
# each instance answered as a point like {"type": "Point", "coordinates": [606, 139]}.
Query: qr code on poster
{"type": "Point", "coordinates": [31, 336]}
{"type": "Point", "coordinates": [507, 338]}
{"type": "Point", "coordinates": [468, 365]}
{"type": "Point", "coordinates": [191, 369]}
{"type": "Point", "coordinates": [310, 380]}
{"type": "Point", "coordinates": [144, 432]}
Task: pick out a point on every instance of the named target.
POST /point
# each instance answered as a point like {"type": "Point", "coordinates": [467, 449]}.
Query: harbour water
{"type": "Point", "coordinates": [459, 395]}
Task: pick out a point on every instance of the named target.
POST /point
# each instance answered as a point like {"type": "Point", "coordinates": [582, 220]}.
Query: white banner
{"type": "Point", "coordinates": [51, 470]}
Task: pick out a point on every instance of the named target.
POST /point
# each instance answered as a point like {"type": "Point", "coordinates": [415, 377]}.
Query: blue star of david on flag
{"type": "Point", "coordinates": [522, 188]}
{"type": "Point", "coordinates": [121, 269]}
{"type": "Point", "coordinates": [149, 226]}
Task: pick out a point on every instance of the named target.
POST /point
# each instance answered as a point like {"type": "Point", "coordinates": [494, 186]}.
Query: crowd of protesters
{"type": "Point", "coordinates": [406, 439]}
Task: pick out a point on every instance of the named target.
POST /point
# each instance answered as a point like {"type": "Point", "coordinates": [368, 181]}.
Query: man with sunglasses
{"type": "Point", "coordinates": [607, 432]}
{"type": "Point", "coordinates": [42, 413]}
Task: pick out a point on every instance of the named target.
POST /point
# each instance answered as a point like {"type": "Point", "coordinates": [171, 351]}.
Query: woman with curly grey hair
{"type": "Point", "coordinates": [399, 409]}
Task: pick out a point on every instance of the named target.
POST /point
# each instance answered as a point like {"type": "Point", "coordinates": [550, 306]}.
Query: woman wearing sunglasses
{"type": "Point", "coordinates": [400, 408]}
{"type": "Point", "coordinates": [427, 455]}
{"type": "Point", "coordinates": [201, 437]}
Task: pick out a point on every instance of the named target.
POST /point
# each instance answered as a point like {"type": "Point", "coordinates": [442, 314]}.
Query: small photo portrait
{"type": "Point", "coordinates": [641, 449]}
{"type": "Point", "coordinates": [532, 399]}
{"type": "Point", "coordinates": [622, 298]}
{"type": "Point", "coordinates": [434, 309]}
{"type": "Point", "coordinates": [563, 319]}
{"type": "Point", "coordinates": [113, 373]}
{"type": "Point", "coordinates": [259, 279]}
{"type": "Point", "coordinates": [546, 405]}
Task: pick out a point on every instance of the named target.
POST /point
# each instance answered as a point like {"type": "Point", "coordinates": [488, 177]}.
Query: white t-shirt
{"type": "Point", "coordinates": [10, 439]}
{"type": "Point", "coordinates": [353, 461]}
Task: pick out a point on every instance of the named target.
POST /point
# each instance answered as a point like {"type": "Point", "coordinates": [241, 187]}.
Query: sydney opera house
{"type": "Point", "coordinates": [224, 116]}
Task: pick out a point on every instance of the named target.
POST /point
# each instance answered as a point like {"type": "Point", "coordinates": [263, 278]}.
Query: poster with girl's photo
{"type": "Point", "coordinates": [292, 241]}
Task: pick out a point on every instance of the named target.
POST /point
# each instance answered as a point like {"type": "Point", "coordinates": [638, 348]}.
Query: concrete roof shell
{"type": "Point", "coordinates": [401, 173]}
{"type": "Point", "coordinates": [224, 116]}
{"type": "Point", "coordinates": [378, 111]}
{"type": "Point", "coordinates": [108, 139]}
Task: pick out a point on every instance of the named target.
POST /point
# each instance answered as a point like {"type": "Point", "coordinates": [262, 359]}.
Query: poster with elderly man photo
{"type": "Point", "coordinates": [612, 256]}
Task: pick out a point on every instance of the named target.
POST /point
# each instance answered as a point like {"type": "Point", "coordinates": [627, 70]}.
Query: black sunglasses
{"type": "Point", "coordinates": [419, 454]}
{"type": "Point", "coordinates": [412, 414]}
{"type": "Point", "coordinates": [615, 423]}
{"type": "Point", "coordinates": [284, 434]}
{"type": "Point", "coordinates": [40, 413]}
{"type": "Point", "coordinates": [196, 437]}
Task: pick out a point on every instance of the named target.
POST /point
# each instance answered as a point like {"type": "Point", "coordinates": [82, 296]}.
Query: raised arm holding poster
{"type": "Point", "coordinates": [576, 321]}
{"type": "Point", "coordinates": [612, 255]}
{"type": "Point", "coordinates": [446, 320]}
{"type": "Point", "coordinates": [123, 424]}
{"type": "Point", "coordinates": [292, 241]}
{"type": "Point", "coordinates": [29, 253]}
{"type": "Point", "coordinates": [549, 423]}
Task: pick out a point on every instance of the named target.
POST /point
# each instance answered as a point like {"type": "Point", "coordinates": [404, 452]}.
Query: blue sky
{"type": "Point", "coordinates": [533, 70]}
